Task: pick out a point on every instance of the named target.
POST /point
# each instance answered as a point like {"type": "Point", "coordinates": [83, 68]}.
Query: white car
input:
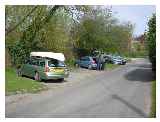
{"type": "Point", "coordinates": [118, 60]}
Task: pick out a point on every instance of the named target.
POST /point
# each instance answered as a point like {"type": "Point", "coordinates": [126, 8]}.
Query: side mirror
{"type": "Point", "coordinates": [27, 60]}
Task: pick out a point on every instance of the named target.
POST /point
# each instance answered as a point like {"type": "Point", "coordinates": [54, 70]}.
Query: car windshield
{"type": "Point", "coordinates": [55, 63]}
{"type": "Point", "coordinates": [116, 58]}
{"type": "Point", "coordinates": [119, 58]}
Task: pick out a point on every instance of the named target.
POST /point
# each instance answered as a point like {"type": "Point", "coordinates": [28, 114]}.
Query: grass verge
{"type": "Point", "coordinates": [153, 104]}
{"type": "Point", "coordinates": [15, 84]}
{"type": "Point", "coordinates": [111, 66]}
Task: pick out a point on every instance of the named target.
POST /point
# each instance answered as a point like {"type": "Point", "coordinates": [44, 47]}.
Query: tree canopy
{"type": "Point", "coordinates": [151, 40]}
{"type": "Point", "coordinates": [73, 30]}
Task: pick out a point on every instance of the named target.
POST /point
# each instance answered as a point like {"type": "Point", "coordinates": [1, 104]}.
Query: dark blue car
{"type": "Point", "coordinates": [87, 62]}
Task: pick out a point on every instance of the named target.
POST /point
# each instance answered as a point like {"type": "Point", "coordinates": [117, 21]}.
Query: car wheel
{"type": "Point", "coordinates": [116, 63]}
{"type": "Point", "coordinates": [90, 67]}
{"type": "Point", "coordinates": [37, 76]}
{"type": "Point", "coordinates": [19, 72]}
{"type": "Point", "coordinates": [61, 79]}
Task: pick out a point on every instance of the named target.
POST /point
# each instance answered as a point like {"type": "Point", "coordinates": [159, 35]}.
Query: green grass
{"type": "Point", "coordinates": [153, 105]}
{"type": "Point", "coordinates": [15, 84]}
{"type": "Point", "coordinates": [111, 66]}
{"type": "Point", "coordinates": [71, 64]}
{"type": "Point", "coordinates": [128, 59]}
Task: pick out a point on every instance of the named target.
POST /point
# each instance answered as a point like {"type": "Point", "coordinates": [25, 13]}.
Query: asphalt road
{"type": "Point", "coordinates": [123, 92]}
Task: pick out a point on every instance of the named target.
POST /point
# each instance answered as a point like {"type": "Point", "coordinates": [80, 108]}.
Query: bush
{"type": "Point", "coordinates": [151, 41]}
{"type": "Point", "coordinates": [18, 52]}
{"type": "Point", "coordinates": [70, 62]}
{"type": "Point", "coordinates": [153, 105]}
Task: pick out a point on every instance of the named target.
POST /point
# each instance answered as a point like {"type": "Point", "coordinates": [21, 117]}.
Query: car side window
{"type": "Point", "coordinates": [28, 61]}
{"type": "Point", "coordinates": [87, 59]}
{"type": "Point", "coordinates": [82, 58]}
{"type": "Point", "coordinates": [34, 62]}
{"type": "Point", "coordinates": [42, 63]}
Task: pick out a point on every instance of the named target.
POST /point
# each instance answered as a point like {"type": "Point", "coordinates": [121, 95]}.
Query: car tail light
{"type": "Point", "coordinates": [93, 62]}
{"type": "Point", "coordinates": [46, 69]}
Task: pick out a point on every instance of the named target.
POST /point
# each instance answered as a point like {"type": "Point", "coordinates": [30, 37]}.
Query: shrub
{"type": "Point", "coordinates": [151, 41]}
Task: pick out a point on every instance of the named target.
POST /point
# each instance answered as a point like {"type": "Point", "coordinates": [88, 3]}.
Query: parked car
{"type": "Point", "coordinates": [123, 59]}
{"type": "Point", "coordinates": [87, 62]}
{"type": "Point", "coordinates": [45, 65]}
{"type": "Point", "coordinates": [108, 58]}
{"type": "Point", "coordinates": [118, 60]}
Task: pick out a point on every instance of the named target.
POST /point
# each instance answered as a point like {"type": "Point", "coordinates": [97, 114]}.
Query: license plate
{"type": "Point", "coordinates": [58, 70]}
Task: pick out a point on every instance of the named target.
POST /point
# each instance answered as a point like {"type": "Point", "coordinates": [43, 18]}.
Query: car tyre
{"type": "Point", "coordinates": [19, 72]}
{"type": "Point", "coordinates": [61, 79]}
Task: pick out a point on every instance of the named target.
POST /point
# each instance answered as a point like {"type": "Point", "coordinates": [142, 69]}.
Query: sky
{"type": "Point", "coordinates": [137, 14]}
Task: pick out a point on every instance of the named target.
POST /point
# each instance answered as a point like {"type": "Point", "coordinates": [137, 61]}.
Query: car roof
{"type": "Point", "coordinates": [88, 56]}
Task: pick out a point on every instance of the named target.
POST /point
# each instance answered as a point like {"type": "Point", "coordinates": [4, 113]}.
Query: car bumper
{"type": "Point", "coordinates": [94, 65]}
{"type": "Point", "coordinates": [124, 62]}
{"type": "Point", "coordinates": [56, 76]}
{"type": "Point", "coordinates": [118, 62]}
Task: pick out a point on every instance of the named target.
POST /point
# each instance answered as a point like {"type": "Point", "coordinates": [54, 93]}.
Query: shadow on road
{"type": "Point", "coordinates": [49, 81]}
{"type": "Point", "coordinates": [148, 65]}
{"type": "Point", "coordinates": [140, 74]}
{"type": "Point", "coordinates": [145, 66]}
{"type": "Point", "coordinates": [54, 81]}
{"type": "Point", "coordinates": [134, 108]}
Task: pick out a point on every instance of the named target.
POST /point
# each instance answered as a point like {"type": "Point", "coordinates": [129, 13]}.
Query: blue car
{"type": "Point", "coordinates": [87, 62]}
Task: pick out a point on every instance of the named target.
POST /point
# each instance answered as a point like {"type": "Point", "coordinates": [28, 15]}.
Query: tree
{"type": "Point", "coordinates": [22, 48]}
{"type": "Point", "coordinates": [42, 28]}
{"type": "Point", "coordinates": [151, 41]}
{"type": "Point", "coordinates": [100, 30]}
{"type": "Point", "coordinates": [69, 29]}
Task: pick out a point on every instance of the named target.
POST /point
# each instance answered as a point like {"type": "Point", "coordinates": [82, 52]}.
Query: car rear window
{"type": "Point", "coordinates": [55, 63]}
{"type": "Point", "coordinates": [94, 59]}
{"type": "Point", "coordinates": [85, 58]}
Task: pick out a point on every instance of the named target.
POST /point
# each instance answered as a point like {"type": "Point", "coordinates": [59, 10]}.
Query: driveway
{"type": "Point", "coordinates": [122, 92]}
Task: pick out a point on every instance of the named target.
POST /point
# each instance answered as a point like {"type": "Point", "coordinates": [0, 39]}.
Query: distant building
{"type": "Point", "coordinates": [138, 43]}
{"type": "Point", "coordinates": [141, 39]}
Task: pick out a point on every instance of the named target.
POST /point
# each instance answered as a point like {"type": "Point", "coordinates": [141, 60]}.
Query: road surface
{"type": "Point", "coordinates": [122, 92]}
